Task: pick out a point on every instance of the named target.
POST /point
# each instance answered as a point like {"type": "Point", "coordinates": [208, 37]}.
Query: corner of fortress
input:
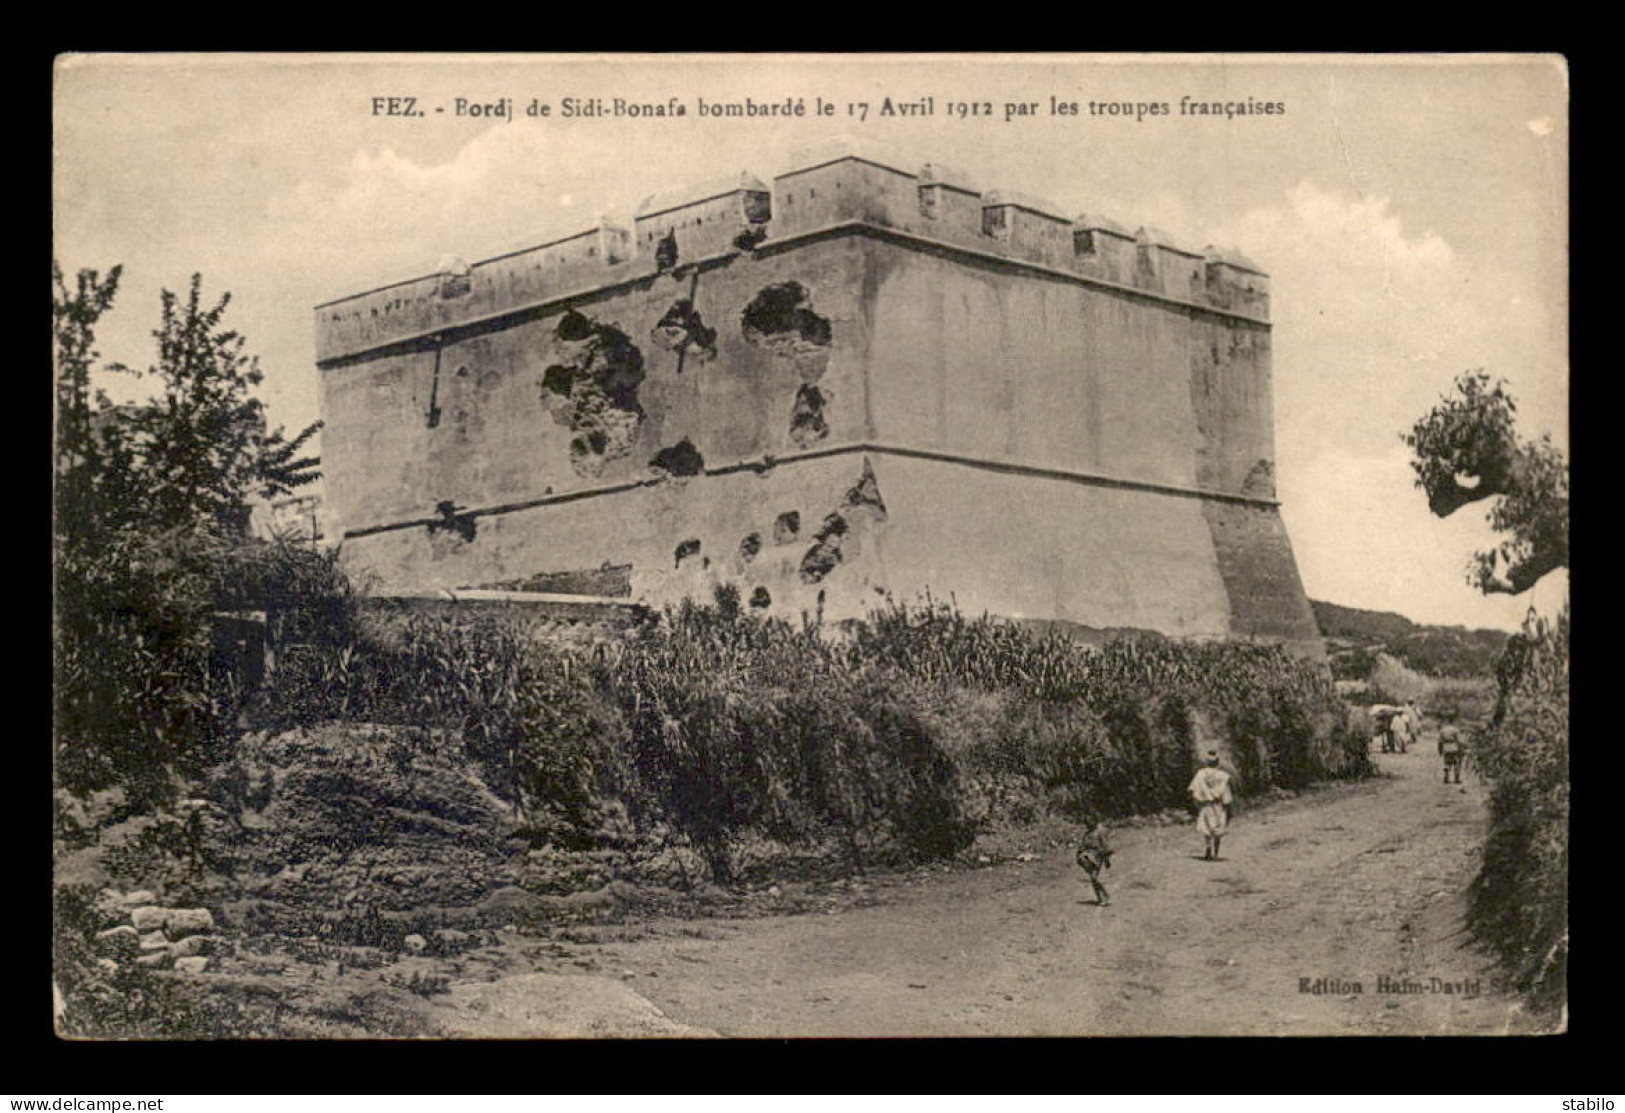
{"type": "Point", "coordinates": [863, 379]}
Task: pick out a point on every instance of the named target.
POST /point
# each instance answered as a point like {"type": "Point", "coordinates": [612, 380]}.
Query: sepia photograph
{"type": "Point", "coordinates": [626, 546]}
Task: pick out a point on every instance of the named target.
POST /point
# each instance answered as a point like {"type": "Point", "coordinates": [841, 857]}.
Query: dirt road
{"type": "Point", "coordinates": [1315, 900]}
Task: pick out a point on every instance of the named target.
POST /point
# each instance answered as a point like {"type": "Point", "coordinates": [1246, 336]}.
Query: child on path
{"type": "Point", "coordinates": [1095, 855]}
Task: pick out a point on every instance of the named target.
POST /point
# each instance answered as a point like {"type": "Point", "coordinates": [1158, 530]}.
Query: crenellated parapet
{"type": "Point", "coordinates": [701, 220]}
{"type": "Point", "coordinates": [832, 185]}
{"type": "Point", "coordinates": [843, 180]}
{"type": "Point", "coordinates": [1236, 282]}
{"type": "Point", "coordinates": [457, 293]}
{"type": "Point", "coordinates": [1104, 249]}
{"type": "Point", "coordinates": [1028, 227]}
{"type": "Point", "coordinates": [1165, 268]}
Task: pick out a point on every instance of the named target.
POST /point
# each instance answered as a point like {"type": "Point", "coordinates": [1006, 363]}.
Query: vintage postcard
{"type": "Point", "coordinates": [810, 545]}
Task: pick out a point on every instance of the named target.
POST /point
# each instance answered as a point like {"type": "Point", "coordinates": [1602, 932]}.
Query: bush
{"type": "Point", "coordinates": [1518, 902]}
{"type": "Point", "coordinates": [143, 698]}
{"type": "Point", "coordinates": [893, 742]}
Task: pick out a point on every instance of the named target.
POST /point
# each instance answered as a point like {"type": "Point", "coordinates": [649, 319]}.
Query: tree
{"type": "Point", "coordinates": [206, 450]}
{"type": "Point", "coordinates": [152, 508]}
{"type": "Point", "coordinates": [81, 455]}
{"type": "Point", "coordinates": [1466, 449]}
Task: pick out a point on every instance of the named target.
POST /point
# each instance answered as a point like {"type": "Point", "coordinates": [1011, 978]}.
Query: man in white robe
{"type": "Point", "coordinates": [1210, 789]}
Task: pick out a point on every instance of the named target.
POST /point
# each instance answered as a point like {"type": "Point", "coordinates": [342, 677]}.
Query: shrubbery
{"type": "Point", "coordinates": [893, 740]}
{"type": "Point", "coordinates": [1518, 903]}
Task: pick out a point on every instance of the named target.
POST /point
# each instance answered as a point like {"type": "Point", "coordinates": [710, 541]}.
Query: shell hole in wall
{"type": "Point", "coordinates": [666, 252]}
{"type": "Point", "coordinates": [783, 310]}
{"type": "Point", "coordinates": [786, 527]}
{"type": "Point", "coordinates": [760, 599]}
{"type": "Point", "coordinates": [825, 555]}
{"type": "Point", "coordinates": [685, 550]}
{"type": "Point", "coordinates": [807, 422]}
{"type": "Point", "coordinates": [750, 546]}
{"type": "Point", "coordinates": [681, 460]}
{"type": "Point", "coordinates": [683, 330]}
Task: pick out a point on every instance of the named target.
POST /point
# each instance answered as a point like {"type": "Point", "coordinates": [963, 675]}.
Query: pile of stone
{"type": "Point", "coordinates": [149, 934]}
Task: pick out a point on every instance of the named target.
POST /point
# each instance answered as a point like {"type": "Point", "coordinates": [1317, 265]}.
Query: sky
{"type": "Point", "coordinates": [1411, 212]}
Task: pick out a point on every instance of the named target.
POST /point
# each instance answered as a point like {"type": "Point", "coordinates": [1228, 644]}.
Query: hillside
{"type": "Point", "coordinates": [1353, 637]}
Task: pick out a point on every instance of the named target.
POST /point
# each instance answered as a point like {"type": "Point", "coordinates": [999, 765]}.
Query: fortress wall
{"type": "Point", "coordinates": [502, 434]}
{"type": "Point", "coordinates": [1028, 547]}
{"type": "Point", "coordinates": [1014, 367]}
{"type": "Point", "coordinates": [1255, 559]}
{"type": "Point", "coordinates": [1228, 369]}
{"type": "Point", "coordinates": [1097, 557]}
{"type": "Point", "coordinates": [930, 419]}
{"type": "Point", "coordinates": [653, 529]}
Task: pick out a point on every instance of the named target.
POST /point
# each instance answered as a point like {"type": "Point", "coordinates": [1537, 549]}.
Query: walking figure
{"type": "Point", "coordinates": [1387, 732]}
{"type": "Point", "coordinates": [1095, 855]}
{"type": "Point", "coordinates": [1452, 751]}
{"type": "Point", "coordinates": [1210, 789]}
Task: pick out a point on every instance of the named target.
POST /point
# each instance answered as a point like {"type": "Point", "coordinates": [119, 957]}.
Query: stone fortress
{"type": "Point", "coordinates": [868, 378]}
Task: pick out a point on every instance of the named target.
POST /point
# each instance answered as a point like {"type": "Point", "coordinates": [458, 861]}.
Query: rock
{"type": "Point", "coordinates": [155, 959]}
{"type": "Point", "coordinates": [188, 921]}
{"type": "Point", "coordinates": [415, 943]}
{"type": "Point", "coordinates": [195, 945]}
{"type": "Point", "coordinates": [123, 939]}
{"type": "Point", "coordinates": [193, 964]}
{"type": "Point", "coordinates": [107, 966]}
{"type": "Point", "coordinates": [139, 897]}
{"type": "Point", "coordinates": [155, 941]}
{"type": "Point", "coordinates": [148, 917]}
{"type": "Point", "coordinates": [108, 908]}
{"type": "Point", "coordinates": [510, 898]}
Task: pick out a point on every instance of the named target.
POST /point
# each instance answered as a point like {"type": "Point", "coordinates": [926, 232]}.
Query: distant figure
{"type": "Point", "coordinates": [1381, 717]}
{"type": "Point", "coordinates": [1451, 750]}
{"type": "Point", "coordinates": [1413, 722]}
{"type": "Point", "coordinates": [1210, 789]}
{"type": "Point", "coordinates": [1390, 727]}
{"type": "Point", "coordinates": [1095, 855]}
{"type": "Point", "coordinates": [1407, 726]}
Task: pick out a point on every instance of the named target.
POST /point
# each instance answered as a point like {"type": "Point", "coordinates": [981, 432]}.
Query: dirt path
{"type": "Point", "coordinates": [1345, 885]}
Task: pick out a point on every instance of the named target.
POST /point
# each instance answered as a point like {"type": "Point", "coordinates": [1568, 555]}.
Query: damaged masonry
{"type": "Point", "coordinates": [860, 376]}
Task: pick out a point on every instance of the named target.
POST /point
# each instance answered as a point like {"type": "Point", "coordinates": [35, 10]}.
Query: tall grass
{"type": "Point", "coordinates": [895, 741]}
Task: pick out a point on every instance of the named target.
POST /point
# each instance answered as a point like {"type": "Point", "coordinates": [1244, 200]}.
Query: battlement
{"type": "Point", "coordinates": [832, 184]}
